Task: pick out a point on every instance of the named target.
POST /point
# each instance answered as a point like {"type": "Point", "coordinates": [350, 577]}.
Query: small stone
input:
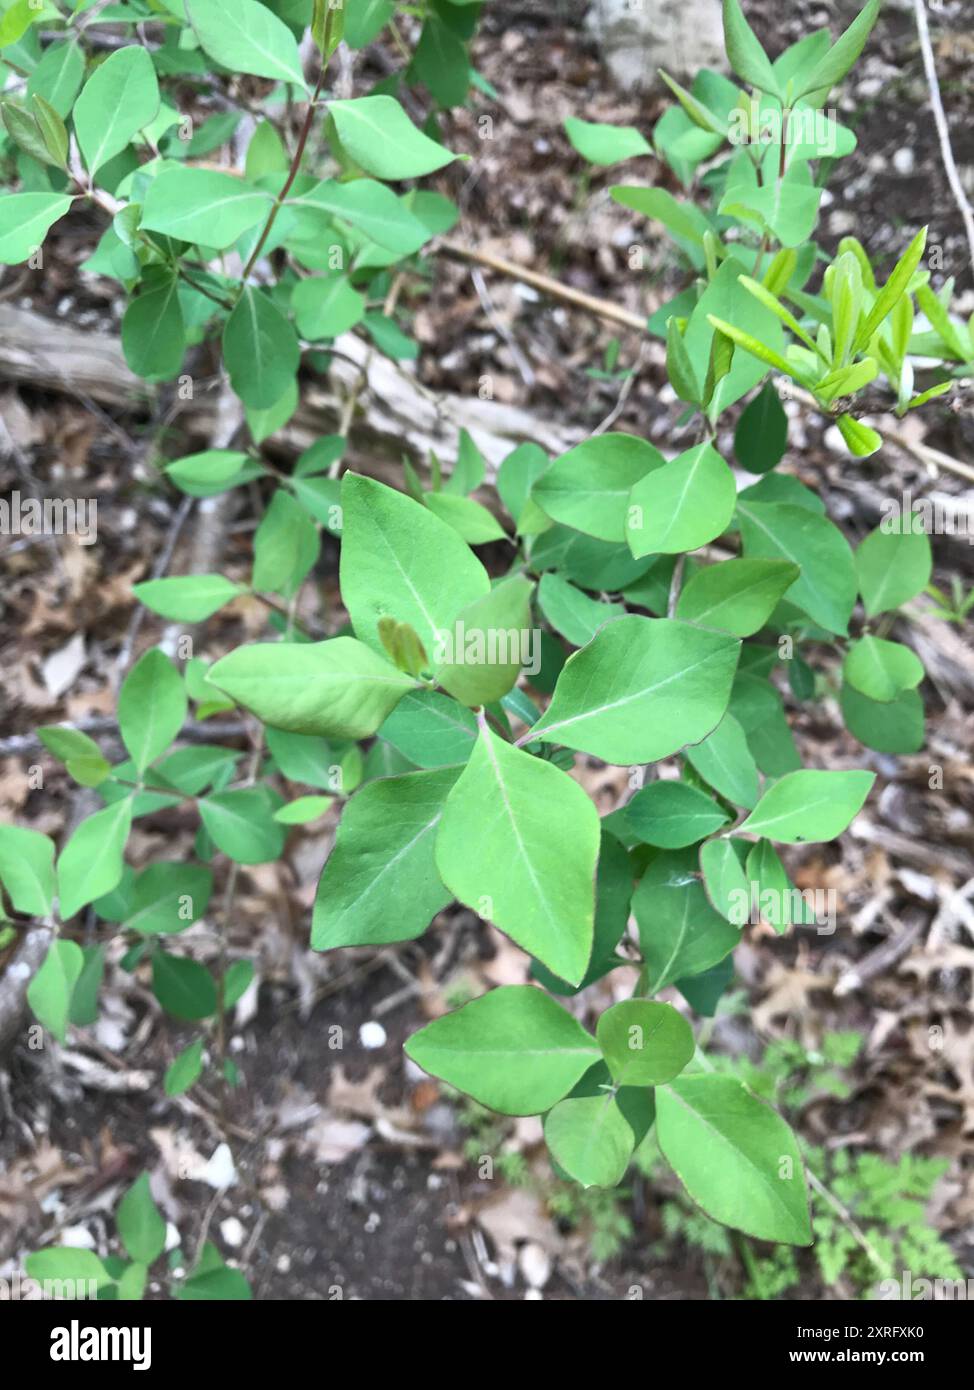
{"type": "Point", "coordinates": [904, 161]}
{"type": "Point", "coordinates": [372, 1035]}
{"type": "Point", "coordinates": [232, 1232]}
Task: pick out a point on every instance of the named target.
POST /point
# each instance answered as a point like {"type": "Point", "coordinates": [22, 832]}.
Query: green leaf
{"type": "Point", "coordinates": [27, 869]}
{"type": "Point", "coordinates": [747, 57]}
{"type": "Point", "coordinates": [430, 729]}
{"type": "Point", "coordinates": [724, 760]}
{"type": "Point", "coordinates": [337, 688]}
{"type": "Point", "coordinates": [515, 478]}
{"type": "Point", "coordinates": [682, 505]}
{"type": "Point", "coordinates": [84, 996]}
{"type": "Point", "coordinates": [184, 1070]}
{"type": "Point", "coordinates": [140, 1224]}
{"type": "Point", "coordinates": [680, 933]}
{"type": "Point", "coordinates": [25, 132]}
{"type": "Point", "coordinates": [893, 290]}
{"type": "Point", "coordinates": [152, 706]}
{"type": "Point", "coordinates": [371, 208]}
{"type": "Point", "coordinates": [469, 518]}
{"type": "Point", "coordinates": [380, 882]}
{"type": "Point", "coordinates": [641, 690]}
{"type": "Point", "coordinates": [286, 546]}
{"type": "Point", "coordinates": [244, 36]}
{"type": "Point", "coordinates": [203, 205]}
{"type": "Point", "coordinates": [893, 727]}
{"type": "Point", "coordinates": [605, 144]}
{"type": "Point", "coordinates": [61, 1263]}
{"type": "Point", "coordinates": [401, 561]}
{"type": "Point", "coordinates": [211, 472]}
{"type": "Point", "coordinates": [183, 987]}
{"type": "Point", "coordinates": [365, 21]}
{"type": "Point", "coordinates": [673, 814]}
{"type": "Point", "coordinates": [25, 219]}
{"type": "Point", "coordinates": [260, 349]}
{"type": "Point", "coordinates": [809, 806]}
{"type": "Point", "coordinates": [537, 838]}
{"type": "Point", "coordinates": [378, 135]}
{"type": "Point", "coordinates": [303, 809]}
{"type": "Point", "coordinates": [834, 65]}
{"type": "Point", "coordinates": [91, 863]}
{"type": "Point", "coordinates": [761, 437]}
{"type": "Point", "coordinates": [724, 879]}
{"type": "Point", "coordinates": [479, 660]}
{"type": "Point", "coordinates": [49, 992]}
{"type": "Point", "coordinates": [573, 613]}
{"type": "Point", "coordinates": [214, 1281]}
{"type": "Point", "coordinates": [440, 61]}
{"type": "Point", "coordinates": [237, 981]}
{"type": "Point", "coordinates": [325, 306]}
{"type": "Point", "coordinates": [52, 130]}
{"type": "Point", "coordinates": [881, 669]}
{"type": "Point", "coordinates": [893, 565]}
{"type": "Point", "coordinates": [588, 488]}
{"type": "Point", "coordinates": [590, 1138]}
{"type": "Point", "coordinates": [644, 1043]}
{"type": "Point", "coordinates": [514, 1050]}
{"type": "Point", "coordinates": [168, 897]}
{"type": "Point", "coordinates": [826, 587]}
{"type": "Point", "coordinates": [118, 100]}
{"type": "Point", "coordinates": [153, 328]}
{"type": "Point", "coordinates": [241, 824]}
{"type": "Point", "coordinates": [771, 891]}
{"type": "Point", "coordinates": [187, 598]}
{"type": "Point", "coordinates": [736, 595]}
{"type": "Point", "coordinates": [58, 76]}
{"type": "Point", "coordinates": [735, 1156]}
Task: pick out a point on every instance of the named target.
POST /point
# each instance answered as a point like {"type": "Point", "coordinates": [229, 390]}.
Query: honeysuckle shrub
{"type": "Point", "coordinates": [646, 612]}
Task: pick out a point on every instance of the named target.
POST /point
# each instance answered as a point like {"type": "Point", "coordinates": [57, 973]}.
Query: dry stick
{"type": "Point", "coordinates": [940, 119]}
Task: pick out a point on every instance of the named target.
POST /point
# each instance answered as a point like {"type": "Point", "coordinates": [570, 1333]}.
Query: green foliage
{"type": "Point", "coordinates": [422, 725]}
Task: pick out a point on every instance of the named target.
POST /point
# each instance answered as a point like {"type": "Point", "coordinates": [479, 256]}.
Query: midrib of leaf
{"type": "Point", "coordinates": [807, 807]}
{"type": "Point", "coordinates": [691, 474]}
{"type": "Point", "coordinates": [662, 974]}
{"type": "Point", "coordinates": [515, 830]}
{"type": "Point", "coordinates": [390, 864]}
{"type": "Point", "coordinates": [218, 204]}
{"type": "Point", "coordinates": [628, 699]}
{"type": "Point", "coordinates": [728, 1143]}
{"type": "Point", "coordinates": [738, 594]}
{"type": "Point", "coordinates": [816, 591]}
{"type": "Point", "coordinates": [107, 847]}
{"type": "Point", "coordinates": [115, 123]}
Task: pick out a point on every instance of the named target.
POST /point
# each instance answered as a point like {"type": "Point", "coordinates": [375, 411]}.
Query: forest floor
{"type": "Point", "coordinates": [349, 1174]}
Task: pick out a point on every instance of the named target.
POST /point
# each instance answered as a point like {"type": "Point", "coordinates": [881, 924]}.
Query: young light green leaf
{"type": "Point", "coordinates": [833, 66]}
{"type": "Point", "coordinates": [514, 1050]}
{"type": "Point", "coordinates": [644, 1043]}
{"type": "Point", "coordinates": [881, 669]}
{"type": "Point", "coordinates": [724, 760]}
{"type": "Point", "coordinates": [241, 823]}
{"type": "Point", "coordinates": [605, 144]}
{"type": "Point", "coordinates": [400, 560]}
{"type": "Point", "coordinates": [747, 57]}
{"type": "Point", "coordinates": [893, 564]}
{"type": "Point", "coordinates": [588, 488]}
{"type": "Point", "coordinates": [152, 706]}
{"type": "Point", "coordinates": [736, 595]}
{"type": "Point", "coordinates": [735, 1156]}
{"type": "Point", "coordinates": [537, 838]}
{"type": "Point", "coordinates": [203, 205]}
{"type": "Point", "coordinates": [809, 805]}
{"type": "Point", "coordinates": [572, 612]}
{"type": "Point", "coordinates": [27, 869]}
{"type": "Point", "coordinates": [325, 306]}
{"type": "Point", "coordinates": [682, 505]}
{"type": "Point", "coordinates": [641, 690]}
{"type": "Point", "coordinates": [49, 992]}
{"type": "Point", "coordinates": [119, 99]}
{"type": "Point", "coordinates": [187, 598]}
{"type": "Point", "coordinates": [25, 219]}
{"type": "Point", "coordinates": [244, 36]}
{"type": "Point", "coordinates": [380, 882]}
{"type": "Point", "coordinates": [724, 879]}
{"type": "Point", "coordinates": [480, 659]}
{"type": "Point", "coordinates": [376, 132]}
{"type": "Point", "coordinates": [338, 688]}
{"type": "Point", "coordinates": [91, 863]}
{"type": "Point", "coordinates": [590, 1138]}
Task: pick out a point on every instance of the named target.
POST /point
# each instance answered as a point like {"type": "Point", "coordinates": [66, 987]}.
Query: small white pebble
{"type": "Point", "coordinates": [904, 161]}
{"type": "Point", "coordinates": [372, 1035]}
{"type": "Point", "coordinates": [232, 1232]}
